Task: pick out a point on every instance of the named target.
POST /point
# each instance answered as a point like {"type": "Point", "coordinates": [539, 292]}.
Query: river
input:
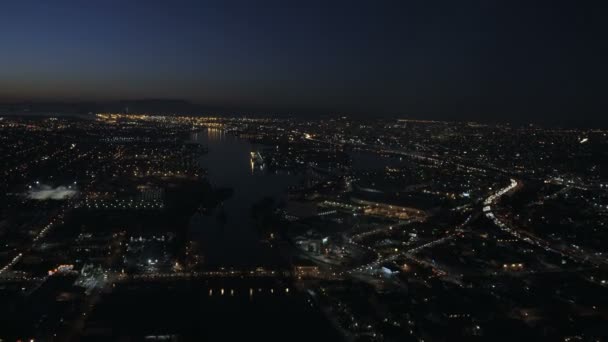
{"type": "Point", "coordinates": [234, 241]}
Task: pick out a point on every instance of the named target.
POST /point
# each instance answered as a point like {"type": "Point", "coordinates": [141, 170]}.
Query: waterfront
{"type": "Point", "coordinates": [168, 239]}
{"type": "Point", "coordinates": [232, 240]}
{"type": "Point", "coordinates": [205, 310]}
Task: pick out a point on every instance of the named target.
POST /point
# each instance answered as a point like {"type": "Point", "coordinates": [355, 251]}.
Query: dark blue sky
{"type": "Point", "coordinates": [437, 59]}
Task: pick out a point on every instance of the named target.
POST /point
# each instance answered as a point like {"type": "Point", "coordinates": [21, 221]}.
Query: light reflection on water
{"type": "Point", "coordinates": [235, 242]}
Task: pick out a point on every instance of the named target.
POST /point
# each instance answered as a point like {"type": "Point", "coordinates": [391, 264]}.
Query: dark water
{"type": "Point", "coordinates": [213, 310]}
{"type": "Point", "coordinates": [234, 241]}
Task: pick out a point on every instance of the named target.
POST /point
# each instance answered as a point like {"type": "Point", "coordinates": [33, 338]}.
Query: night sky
{"type": "Point", "coordinates": [492, 60]}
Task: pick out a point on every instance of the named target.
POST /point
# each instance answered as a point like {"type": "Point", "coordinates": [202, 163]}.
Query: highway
{"type": "Point", "coordinates": [527, 236]}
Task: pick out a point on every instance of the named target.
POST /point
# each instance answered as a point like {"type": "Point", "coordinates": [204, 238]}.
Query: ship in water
{"type": "Point", "coordinates": [257, 162]}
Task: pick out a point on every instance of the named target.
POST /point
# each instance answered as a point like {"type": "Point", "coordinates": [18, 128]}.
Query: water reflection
{"type": "Point", "coordinates": [233, 241]}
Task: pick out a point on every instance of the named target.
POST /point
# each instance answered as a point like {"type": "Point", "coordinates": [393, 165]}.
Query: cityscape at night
{"type": "Point", "coordinates": [141, 225]}
{"type": "Point", "coordinates": [361, 171]}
